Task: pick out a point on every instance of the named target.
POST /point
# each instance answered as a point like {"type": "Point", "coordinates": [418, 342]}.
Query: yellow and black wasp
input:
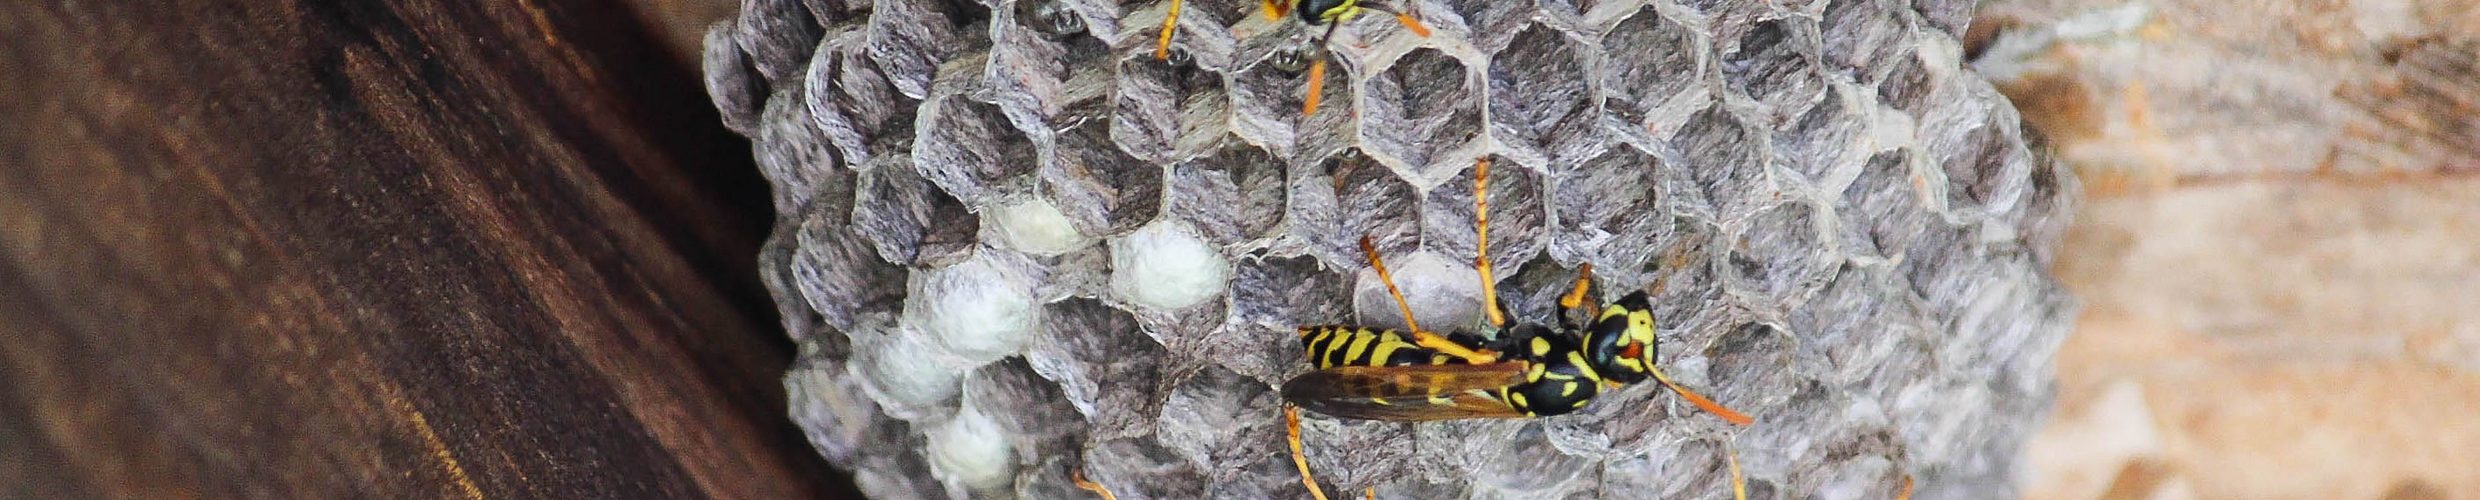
{"type": "Point", "coordinates": [1527, 369]}
{"type": "Point", "coordinates": [1331, 13]}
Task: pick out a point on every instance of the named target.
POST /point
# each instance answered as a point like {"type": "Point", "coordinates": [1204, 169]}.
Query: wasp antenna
{"type": "Point", "coordinates": [1727, 414]}
{"type": "Point", "coordinates": [1291, 428]}
{"type": "Point", "coordinates": [1077, 477]}
{"type": "Point", "coordinates": [1739, 484]}
{"type": "Point", "coordinates": [1171, 24]}
{"type": "Point", "coordinates": [1481, 242]}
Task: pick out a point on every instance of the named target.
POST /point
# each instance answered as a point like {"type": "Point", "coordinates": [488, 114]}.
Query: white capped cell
{"type": "Point", "coordinates": [1166, 266]}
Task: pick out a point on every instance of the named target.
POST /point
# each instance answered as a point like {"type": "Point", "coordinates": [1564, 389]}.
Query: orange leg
{"type": "Point", "coordinates": [1291, 429]}
{"type": "Point", "coordinates": [1422, 337]}
{"type": "Point", "coordinates": [1739, 485]}
{"type": "Point", "coordinates": [1171, 24]}
{"type": "Point", "coordinates": [1077, 478]}
{"type": "Point", "coordinates": [1481, 242]}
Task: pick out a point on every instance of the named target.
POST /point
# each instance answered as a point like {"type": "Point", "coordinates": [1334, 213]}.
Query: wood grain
{"type": "Point", "coordinates": [377, 249]}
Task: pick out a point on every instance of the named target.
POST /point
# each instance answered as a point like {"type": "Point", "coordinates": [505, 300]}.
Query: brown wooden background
{"type": "Point", "coordinates": [316, 249]}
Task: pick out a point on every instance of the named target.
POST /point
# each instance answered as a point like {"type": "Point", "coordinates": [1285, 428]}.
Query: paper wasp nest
{"type": "Point", "coordinates": [1013, 244]}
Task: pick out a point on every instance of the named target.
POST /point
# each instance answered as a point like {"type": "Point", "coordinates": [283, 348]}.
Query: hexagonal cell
{"type": "Point", "coordinates": [981, 309]}
{"type": "Point", "coordinates": [1860, 36]}
{"type": "Point", "coordinates": [732, 80]}
{"type": "Point", "coordinates": [1102, 191]}
{"type": "Point", "coordinates": [1487, 24]}
{"type": "Point", "coordinates": [1750, 368]}
{"type": "Point", "coordinates": [835, 12]}
{"type": "Point", "coordinates": [830, 407]}
{"type": "Point", "coordinates": [905, 373]}
{"type": "Point", "coordinates": [971, 150]}
{"type": "Point", "coordinates": [1523, 464]}
{"type": "Point", "coordinates": [1429, 103]}
{"type": "Point", "coordinates": [791, 153]}
{"type": "Point", "coordinates": [1882, 209]}
{"type": "Point", "coordinates": [1029, 224]}
{"type": "Point", "coordinates": [897, 474]}
{"type": "Point", "coordinates": [1792, 433]}
{"type": "Point", "coordinates": [1531, 289]}
{"type": "Point", "coordinates": [1349, 455]}
{"type": "Point", "coordinates": [1034, 72]}
{"type": "Point", "coordinates": [1540, 102]}
{"type": "Point", "coordinates": [1782, 255]}
{"type": "Point", "coordinates": [2048, 199]}
{"type": "Point", "coordinates": [1683, 273]}
{"type": "Point", "coordinates": [1143, 468]}
{"type": "Point", "coordinates": [1036, 412]}
{"type": "Point", "coordinates": [801, 323]}
{"type": "Point", "coordinates": [1647, 58]}
{"type": "Point", "coordinates": [1232, 196]}
{"type": "Point", "coordinates": [1167, 267]}
{"type": "Point", "coordinates": [855, 106]}
{"type": "Point", "coordinates": [1772, 63]}
{"type": "Point", "coordinates": [1266, 102]}
{"type": "Point", "coordinates": [1443, 292]}
{"type": "Point", "coordinates": [1272, 476]}
{"type": "Point", "coordinates": [1347, 196]}
{"type": "Point", "coordinates": [1286, 292]}
{"type": "Point", "coordinates": [1516, 216]}
{"type": "Point", "coordinates": [778, 36]}
{"type": "Point", "coordinates": [1986, 168]}
{"type": "Point", "coordinates": [1221, 421]}
{"type": "Point", "coordinates": [1205, 36]}
{"type": "Point", "coordinates": [909, 40]}
{"type": "Point", "coordinates": [840, 274]}
{"type": "Point", "coordinates": [1723, 169]}
{"type": "Point", "coordinates": [1697, 470]}
{"type": "Point", "coordinates": [1907, 84]}
{"type": "Point", "coordinates": [1105, 365]}
{"type": "Point", "coordinates": [970, 454]}
{"type": "Point", "coordinates": [910, 221]}
{"type": "Point", "coordinates": [1822, 147]}
{"type": "Point", "coordinates": [1845, 331]}
{"type": "Point", "coordinates": [1590, 197]}
{"type": "Point", "coordinates": [1163, 111]}
{"type": "Point", "coordinates": [1950, 16]}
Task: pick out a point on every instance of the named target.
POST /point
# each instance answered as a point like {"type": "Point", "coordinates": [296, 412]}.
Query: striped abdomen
{"type": "Point", "coordinates": [1337, 345]}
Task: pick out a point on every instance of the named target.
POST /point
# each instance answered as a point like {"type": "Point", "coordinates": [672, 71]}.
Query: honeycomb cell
{"type": "Point", "coordinates": [1232, 196]}
{"type": "Point", "coordinates": [842, 276]}
{"type": "Point", "coordinates": [1541, 105]}
{"type": "Point", "coordinates": [1782, 255]}
{"type": "Point", "coordinates": [1163, 111]}
{"type": "Point", "coordinates": [1521, 463]}
{"type": "Point", "coordinates": [1696, 469]}
{"type": "Point", "coordinates": [1102, 191]}
{"type": "Point", "coordinates": [1906, 85]}
{"type": "Point", "coordinates": [1286, 291]}
{"type": "Point", "coordinates": [1516, 217]}
{"type": "Point", "coordinates": [1165, 266]}
{"type": "Point", "coordinates": [2047, 202]}
{"type": "Point", "coordinates": [829, 406]}
{"type": "Point", "coordinates": [1036, 412]}
{"type": "Point", "coordinates": [981, 309]}
{"type": "Point", "coordinates": [791, 154]}
{"type": "Point", "coordinates": [775, 271]}
{"type": "Point", "coordinates": [1722, 170]}
{"type": "Point", "coordinates": [1683, 273]}
{"type": "Point", "coordinates": [1531, 289]}
{"type": "Point", "coordinates": [1050, 478]}
{"type": "Point", "coordinates": [1774, 64]}
{"type": "Point", "coordinates": [908, 220]}
{"type": "Point", "coordinates": [731, 80]}
{"type": "Point", "coordinates": [1883, 207]}
{"type": "Point", "coordinates": [1985, 170]}
{"type": "Point", "coordinates": [897, 474]}
{"type": "Point", "coordinates": [1033, 226]}
{"type": "Point", "coordinates": [970, 454]}
{"type": "Point", "coordinates": [836, 12]}
{"type": "Point", "coordinates": [1105, 365]}
{"type": "Point", "coordinates": [1646, 59]}
{"type": "Point", "coordinates": [1271, 476]}
{"type": "Point", "coordinates": [1351, 455]}
{"type": "Point", "coordinates": [1205, 36]}
{"type": "Point", "coordinates": [1750, 368]}
{"type": "Point", "coordinates": [1143, 468]}
{"type": "Point", "coordinates": [905, 373]}
{"type": "Point", "coordinates": [1427, 100]}
{"type": "Point", "coordinates": [1819, 147]}
{"type": "Point", "coordinates": [1034, 73]}
{"type": "Point", "coordinates": [910, 39]}
{"type": "Point", "coordinates": [1951, 16]}
{"type": "Point", "coordinates": [778, 36]}
{"type": "Point", "coordinates": [1861, 36]}
{"type": "Point", "coordinates": [854, 105]}
{"type": "Point", "coordinates": [1266, 108]}
{"type": "Point", "coordinates": [1444, 293]}
{"type": "Point", "coordinates": [1604, 194]}
{"type": "Point", "coordinates": [1489, 25]}
{"type": "Point", "coordinates": [1215, 416]}
{"type": "Point", "coordinates": [972, 151]}
{"type": "Point", "coordinates": [1844, 331]}
{"type": "Point", "coordinates": [1347, 196]}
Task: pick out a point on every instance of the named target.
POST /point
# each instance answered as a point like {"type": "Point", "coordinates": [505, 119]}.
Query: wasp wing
{"type": "Point", "coordinates": [1408, 393]}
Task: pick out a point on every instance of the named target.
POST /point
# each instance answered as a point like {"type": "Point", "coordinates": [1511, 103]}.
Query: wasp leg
{"type": "Point", "coordinates": [1727, 414]}
{"type": "Point", "coordinates": [1575, 296]}
{"type": "Point", "coordinates": [1291, 429]}
{"type": "Point", "coordinates": [1409, 22]}
{"type": "Point", "coordinates": [1422, 337]}
{"type": "Point", "coordinates": [1273, 10]}
{"type": "Point", "coordinates": [1171, 24]}
{"type": "Point", "coordinates": [1906, 494]}
{"type": "Point", "coordinates": [1317, 72]}
{"type": "Point", "coordinates": [1481, 243]}
{"type": "Point", "coordinates": [1077, 477]}
{"type": "Point", "coordinates": [1739, 485]}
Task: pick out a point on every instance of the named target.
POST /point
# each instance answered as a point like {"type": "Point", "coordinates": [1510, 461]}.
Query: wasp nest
{"type": "Point", "coordinates": [1015, 244]}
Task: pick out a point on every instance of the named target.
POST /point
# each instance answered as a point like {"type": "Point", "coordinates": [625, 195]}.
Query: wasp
{"type": "Point", "coordinates": [1508, 370]}
{"type": "Point", "coordinates": [1331, 13]}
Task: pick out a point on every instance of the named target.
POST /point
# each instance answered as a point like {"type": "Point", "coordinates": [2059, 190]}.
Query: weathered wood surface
{"type": "Point", "coordinates": [391, 249]}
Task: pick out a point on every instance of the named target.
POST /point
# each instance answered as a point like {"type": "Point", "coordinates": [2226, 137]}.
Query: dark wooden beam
{"type": "Point", "coordinates": [311, 249]}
